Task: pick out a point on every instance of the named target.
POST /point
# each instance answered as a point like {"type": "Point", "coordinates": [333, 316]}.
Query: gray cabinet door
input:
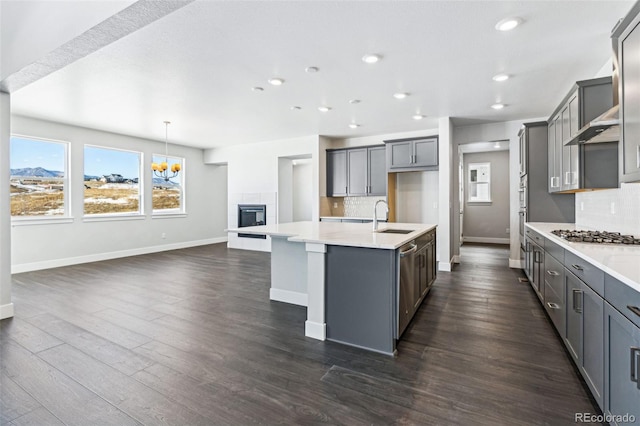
{"type": "Point", "coordinates": [551, 157]}
{"type": "Point", "coordinates": [357, 172]}
{"type": "Point", "coordinates": [557, 166]}
{"type": "Point", "coordinates": [425, 153]}
{"type": "Point", "coordinates": [629, 50]}
{"type": "Point", "coordinates": [420, 275]}
{"type": "Point", "coordinates": [431, 263]}
{"type": "Point", "coordinates": [622, 364]}
{"type": "Point", "coordinates": [377, 171]}
{"type": "Point", "coordinates": [592, 362]}
{"type": "Point", "coordinates": [523, 152]}
{"type": "Point", "coordinates": [573, 297]}
{"type": "Point", "coordinates": [401, 154]}
{"type": "Point", "coordinates": [566, 149]}
{"type": "Point", "coordinates": [336, 173]}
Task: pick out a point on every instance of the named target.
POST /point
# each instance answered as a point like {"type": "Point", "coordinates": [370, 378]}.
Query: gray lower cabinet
{"type": "Point", "coordinates": [585, 333]}
{"type": "Point", "coordinates": [337, 173]}
{"type": "Point", "coordinates": [534, 258]}
{"type": "Point", "coordinates": [356, 172]}
{"type": "Point", "coordinates": [412, 154]}
{"type": "Point", "coordinates": [554, 293]}
{"type": "Point", "coordinates": [622, 366]}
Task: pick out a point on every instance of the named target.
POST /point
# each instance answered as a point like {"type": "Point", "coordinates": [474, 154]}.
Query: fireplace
{"type": "Point", "coordinates": [252, 215]}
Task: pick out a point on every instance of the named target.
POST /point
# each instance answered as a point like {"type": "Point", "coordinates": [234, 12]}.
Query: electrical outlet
{"type": "Point", "coordinates": [581, 206]}
{"type": "Point", "coordinates": [613, 207]}
{"type": "Point", "coordinates": [163, 236]}
{"type": "Point", "coordinates": [335, 205]}
{"type": "Point", "coordinates": [435, 205]}
{"type": "Point", "coordinates": [508, 230]}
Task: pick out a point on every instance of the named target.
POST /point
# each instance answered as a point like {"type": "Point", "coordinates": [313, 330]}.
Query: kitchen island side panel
{"type": "Point", "coordinates": [361, 296]}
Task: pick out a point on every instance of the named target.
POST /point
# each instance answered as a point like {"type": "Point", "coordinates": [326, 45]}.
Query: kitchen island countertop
{"type": "Point", "coordinates": [622, 262]}
{"type": "Point", "coordinates": [341, 234]}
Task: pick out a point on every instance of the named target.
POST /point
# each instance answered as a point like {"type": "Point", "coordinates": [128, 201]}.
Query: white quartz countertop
{"type": "Point", "coordinates": [350, 217]}
{"type": "Point", "coordinates": [341, 234]}
{"type": "Point", "coordinates": [620, 261]}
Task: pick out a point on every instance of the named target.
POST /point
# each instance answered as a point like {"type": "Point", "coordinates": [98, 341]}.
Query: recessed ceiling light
{"type": "Point", "coordinates": [501, 77]}
{"type": "Point", "coordinates": [324, 108]}
{"type": "Point", "coordinates": [497, 106]}
{"type": "Point", "coordinates": [311, 70]}
{"type": "Point", "coordinates": [508, 24]}
{"type": "Point", "coordinates": [371, 58]}
{"type": "Point", "coordinates": [417, 116]}
{"type": "Point", "coordinates": [276, 81]}
{"type": "Point", "coordinates": [296, 108]}
{"type": "Point", "coordinates": [257, 89]}
{"type": "Point", "coordinates": [354, 125]}
{"type": "Point", "coordinates": [400, 95]}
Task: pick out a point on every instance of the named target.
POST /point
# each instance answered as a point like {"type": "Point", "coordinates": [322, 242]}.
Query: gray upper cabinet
{"type": "Point", "coordinates": [576, 167]}
{"type": "Point", "coordinates": [337, 173]}
{"type": "Point", "coordinates": [356, 172]}
{"type": "Point", "coordinates": [377, 170]}
{"type": "Point", "coordinates": [627, 43]}
{"type": "Point", "coordinates": [412, 154]}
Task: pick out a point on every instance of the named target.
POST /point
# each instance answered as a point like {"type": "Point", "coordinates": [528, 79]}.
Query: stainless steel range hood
{"type": "Point", "coordinates": [604, 128]}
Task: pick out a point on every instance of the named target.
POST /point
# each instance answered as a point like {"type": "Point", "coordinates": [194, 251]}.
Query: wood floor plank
{"type": "Point", "coordinates": [190, 337]}
{"type": "Point", "coordinates": [14, 401]}
{"type": "Point", "coordinates": [38, 417]}
{"type": "Point", "coordinates": [70, 402]}
{"type": "Point", "coordinates": [104, 350]}
{"type": "Point", "coordinates": [132, 397]}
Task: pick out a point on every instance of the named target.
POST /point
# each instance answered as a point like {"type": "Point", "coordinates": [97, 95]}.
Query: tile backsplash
{"type": "Point", "coordinates": [615, 210]}
{"type": "Point", "coordinates": [361, 206]}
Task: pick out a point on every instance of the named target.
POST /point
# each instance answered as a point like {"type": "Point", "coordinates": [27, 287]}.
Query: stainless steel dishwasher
{"type": "Point", "coordinates": [406, 286]}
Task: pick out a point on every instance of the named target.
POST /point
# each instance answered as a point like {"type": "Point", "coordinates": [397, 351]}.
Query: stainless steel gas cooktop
{"type": "Point", "coordinates": [598, 237]}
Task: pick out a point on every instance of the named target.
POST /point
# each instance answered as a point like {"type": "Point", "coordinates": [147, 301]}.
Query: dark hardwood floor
{"type": "Point", "coordinates": [189, 337]}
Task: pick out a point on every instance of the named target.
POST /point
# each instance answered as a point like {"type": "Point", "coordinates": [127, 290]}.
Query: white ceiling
{"type": "Point", "coordinates": [196, 67]}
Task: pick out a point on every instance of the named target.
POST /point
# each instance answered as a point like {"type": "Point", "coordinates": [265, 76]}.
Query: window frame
{"type": "Point", "coordinates": [475, 167]}
{"type": "Point", "coordinates": [182, 210]}
{"type": "Point", "coordinates": [99, 217]}
{"type": "Point", "coordinates": [67, 216]}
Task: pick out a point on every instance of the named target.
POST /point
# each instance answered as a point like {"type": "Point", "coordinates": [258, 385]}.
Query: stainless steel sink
{"type": "Point", "coordinates": [395, 231]}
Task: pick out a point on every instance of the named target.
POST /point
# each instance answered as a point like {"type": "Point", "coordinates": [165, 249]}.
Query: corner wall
{"type": "Point", "coordinates": [40, 246]}
{"type": "Point", "coordinates": [6, 307]}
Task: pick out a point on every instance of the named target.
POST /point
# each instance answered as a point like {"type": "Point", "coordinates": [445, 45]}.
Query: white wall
{"type": "Point", "coordinates": [6, 307]}
{"type": "Point", "coordinates": [417, 197]}
{"type": "Point", "coordinates": [302, 190]}
{"type": "Point", "coordinates": [445, 232]}
{"type": "Point", "coordinates": [285, 190]}
{"type": "Point", "coordinates": [50, 245]}
{"type": "Point", "coordinates": [487, 222]}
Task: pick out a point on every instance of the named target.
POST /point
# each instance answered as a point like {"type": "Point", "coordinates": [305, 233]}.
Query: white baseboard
{"type": "Point", "coordinates": [455, 258]}
{"type": "Point", "coordinates": [486, 240]}
{"type": "Point", "coordinates": [56, 263]}
{"type": "Point", "coordinates": [6, 311]}
{"type": "Point", "coordinates": [515, 263]}
{"type": "Point", "coordinates": [444, 266]}
{"type": "Point", "coordinates": [315, 330]}
{"type": "Point", "coordinates": [287, 296]}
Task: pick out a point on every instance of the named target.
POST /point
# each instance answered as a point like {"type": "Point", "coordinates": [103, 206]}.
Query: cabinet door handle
{"type": "Point", "coordinates": [553, 273]}
{"type": "Point", "coordinates": [634, 309]}
{"type": "Point", "coordinates": [566, 178]}
{"type": "Point", "coordinates": [577, 267]}
{"type": "Point", "coordinates": [638, 157]}
{"type": "Point", "coordinates": [553, 305]}
{"type": "Point", "coordinates": [577, 293]}
{"type": "Point", "coordinates": [635, 351]}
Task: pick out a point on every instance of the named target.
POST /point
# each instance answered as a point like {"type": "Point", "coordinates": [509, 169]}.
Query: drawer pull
{"type": "Point", "coordinates": [635, 351]}
{"type": "Point", "coordinates": [634, 309]}
{"type": "Point", "coordinates": [553, 305]}
{"type": "Point", "coordinates": [577, 294]}
{"type": "Point", "coordinates": [577, 267]}
{"type": "Point", "coordinates": [553, 273]}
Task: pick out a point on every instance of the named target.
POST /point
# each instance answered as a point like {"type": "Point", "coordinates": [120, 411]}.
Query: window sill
{"type": "Point", "coordinates": [480, 203]}
{"type": "Point", "coordinates": [113, 217]}
{"type": "Point", "coordinates": [168, 215]}
{"type": "Point", "coordinates": [26, 221]}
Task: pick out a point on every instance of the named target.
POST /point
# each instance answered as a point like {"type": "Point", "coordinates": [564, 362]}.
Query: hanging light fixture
{"type": "Point", "coordinates": [161, 170]}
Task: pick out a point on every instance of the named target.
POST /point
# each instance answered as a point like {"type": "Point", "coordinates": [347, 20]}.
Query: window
{"type": "Point", "coordinates": [39, 181]}
{"type": "Point", "coordinates": [168, 192]}
{"type": "Point", "coordinates": [111, 181]}
{"type": "Point", "coordinates": [479, 182]}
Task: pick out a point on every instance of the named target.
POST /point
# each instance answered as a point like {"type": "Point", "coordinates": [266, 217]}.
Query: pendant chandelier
{"type": "Point", "coordinates": [162, 170]}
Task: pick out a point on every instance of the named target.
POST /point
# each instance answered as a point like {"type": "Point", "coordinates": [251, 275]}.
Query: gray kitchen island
{"type": "Point", "coordinates": [360, 287]}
